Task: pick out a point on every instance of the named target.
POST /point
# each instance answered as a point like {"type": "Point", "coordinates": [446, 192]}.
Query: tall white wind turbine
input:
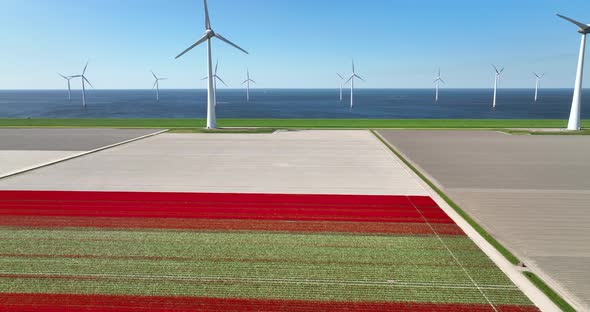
{"type": "Point", "coordinates": [341, 85]}
{"type": "Point", "coordinates": [247, 83]}
{"type": "Point", "coordinates": [216, 77]}
{"type": "Point", "coordinates": [351, 80]}
{"type": "Point", "coordinates": [575, 115]}
{"type": "Point", "coordinates": [69, 79]}
{"type": "Point", "coordinates": [210, 34]}
{"type": "Point", "coordinates": [437, 83]}
{"type": "Point", "coordinates": [537, 84]}
{"type": "Point", "coordinates": [84, 81]}
{"type": "Point", "coordinates": [496, 82]}
{"type": "Point", "coordinates": [157, 85]}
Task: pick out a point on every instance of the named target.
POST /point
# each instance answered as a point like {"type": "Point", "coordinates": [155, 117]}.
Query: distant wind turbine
{"type": "Point", "coordinates": [437, 83]}
{"type": "Point", "coordinates": [351, 80]}
{"type": "Point", "coordinates": [69, 79]}
{"type": "Point", "coordinates": [215, 77]}
{"type": "Point", "coordinates": [84, 80]}
{"type": "Point", "coordinates": [341, 85]}
{"type": "Point", "coordinates": [537, 84]}
{"type": "Point", "coordinates": [210, 34]}
{"type": "Point", "coordinates": [574, 122]}
{"type": "Point", "coordinates": [247, 83]}
{"type": "Point", "coordinates": [496, 82]}
{"type": "Point", "coordinates": [157, 85]}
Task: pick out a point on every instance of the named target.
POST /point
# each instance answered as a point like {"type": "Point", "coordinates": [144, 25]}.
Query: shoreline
{"type": "Point", "coordinates": [293, 123]}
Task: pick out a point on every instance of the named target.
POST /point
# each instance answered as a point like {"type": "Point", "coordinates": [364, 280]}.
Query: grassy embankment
{"type": "Point", "coordinates": [293, 123]}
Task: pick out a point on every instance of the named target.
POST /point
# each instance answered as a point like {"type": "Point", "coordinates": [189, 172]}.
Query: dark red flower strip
{"type": "Point", "coordinates": [204, 197]}
{"type": "Point", "coordinates": [88, 303]}
{"type": "Point", "coordinates": [222, 206]}
{"type": "Point", "coordinates": [401, 228]}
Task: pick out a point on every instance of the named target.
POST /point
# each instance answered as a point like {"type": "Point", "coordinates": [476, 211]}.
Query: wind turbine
{"type": "Point", "coordinates": [437, 83]}
{"type": "Point", "coordinates": [84, 79]}
{"type": "Point", "coordinates": [157, 85]}
{"type": "Point", "coordinates": [215, 77]}
{"type": "Point", "coordinates": [351, 80]}
{"type": "Point", "coordinates": [496, 81]}
{"type": "Point", "coordinates": [247, 83]}
{"type": "Point", "coordinates": [341, 85]}
{"type": "Point", "coordinates": [574, 122]}
{"type": "Point", "coordinates": [210, 34]}
{"type": "Point", "coordinates": [538, 84]}
{"type": "Point", "coordinates": [69, 79]}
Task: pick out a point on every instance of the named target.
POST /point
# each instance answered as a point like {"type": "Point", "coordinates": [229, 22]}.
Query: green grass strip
{"type": "Point", "coordinates": [505, 252]}
{"type": "Point", "coordinates": [550, 293]}
{"type": "Point", "coordinates": [294, 123]}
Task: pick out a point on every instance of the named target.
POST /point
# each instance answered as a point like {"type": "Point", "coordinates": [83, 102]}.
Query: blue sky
{"type": "Point", "coordinates": [303, 43]}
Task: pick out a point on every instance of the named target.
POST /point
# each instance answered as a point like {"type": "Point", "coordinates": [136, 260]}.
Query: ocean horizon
{"type": "Point", "coordinates": [513, 103]}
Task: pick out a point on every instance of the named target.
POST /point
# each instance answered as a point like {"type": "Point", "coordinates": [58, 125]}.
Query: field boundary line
{"type": "Point", "coordinates": [455, 258]}
{"type": "Point", "coordinates": [540, 299]}
{"type": "Point", "coordinates": [64, 159]}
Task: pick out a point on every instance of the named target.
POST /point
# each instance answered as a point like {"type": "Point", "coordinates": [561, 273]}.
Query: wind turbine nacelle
{"type": "Point", "coordinates": [209, 33]}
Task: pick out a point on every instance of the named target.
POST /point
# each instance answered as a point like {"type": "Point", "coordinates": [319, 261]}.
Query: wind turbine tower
{"type": "Point", "coordinates": [341, 85]}
{"type": "Point", "coordinates": [437, 84]}
{"type": "Point", "coordinates": [69, 79]}
{"type": "Point", "coordinates": [537, 84]}
{"type": "Point", "coordinates": [247, 83]}
{"type": "Point", "coordinates": [351, 80]}
{"type": "Point", "coordinates": [210, 34]}
{"type": "Point", "coordinates": [157, 85]}
{"type": "Point", "coordinates": [575, 115]}
{"type": "Point", "coordinates": [496, 82]}
{"type": "Point", "coordinates": [84, 81]}
{"type": "Point", "coordinates": [215, 77]}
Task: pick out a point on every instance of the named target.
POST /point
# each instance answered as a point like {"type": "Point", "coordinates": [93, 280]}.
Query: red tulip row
{"type": "Point", "coordinates": [90, 303]}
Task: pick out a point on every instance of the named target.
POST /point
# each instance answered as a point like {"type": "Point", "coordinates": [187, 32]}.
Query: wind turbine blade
{"type": "Point", "coordinates": [582, 26]}
{"type": "Point", "coordinates": [155, 84]}
{"type": "Point", "coordinates": [495, 68]}
{"type": "Point", "coordinates": [193, 46]}
{"type": "Point", "coordinates": [219, 78]}
{"type": "Point", "coordinates": [349, 79]}
{"type": "Point", "coordinates": [207, 20]}
{"type": "Point", "coordinates": [502, 70]}
{"type": "Point", "coordinates": [85, 68]}
{"type": "Point", "coordinates": [443, 81]}
{"type": "Point", "coordinates": [88, 82]}
{"type": "Point", "coordinates": [353, 67]}
{"type": "Point", "coordinates": [359, 77]}
{"type": "Point", "coordinates": [205, 78]}
{"type": "Point", "coordinates": [246, 81]}
{"type": "Point", "coordinates": [220, 37]}
{"type": "Point", "coordinates": [155, 77]}
{"type": "Point", "coordinates": [64, 77]}
{"type": "Point", "coordinates": [216, 66]}
{"type": "Point", "coordinates": [341, 78]}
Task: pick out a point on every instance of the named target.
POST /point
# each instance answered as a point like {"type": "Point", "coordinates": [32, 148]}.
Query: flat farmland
{"type": "Point", "coordinates": [155, 251]}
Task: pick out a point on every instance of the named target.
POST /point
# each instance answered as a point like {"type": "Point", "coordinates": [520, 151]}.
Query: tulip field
{"type": "Point", "coordinates": [100, 251]}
